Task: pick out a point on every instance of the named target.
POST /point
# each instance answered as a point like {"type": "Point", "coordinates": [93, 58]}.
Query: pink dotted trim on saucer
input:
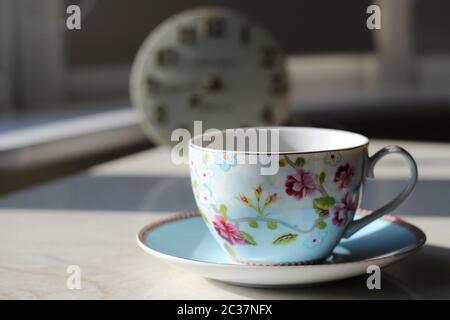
{"type": "Point", "coordinates": [178, 216]}
{"type": "Point", "coordinates": [281, 264]}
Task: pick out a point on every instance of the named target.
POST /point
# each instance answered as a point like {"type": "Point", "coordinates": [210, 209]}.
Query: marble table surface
{"type": "Point", "coordinates": [90, 220]}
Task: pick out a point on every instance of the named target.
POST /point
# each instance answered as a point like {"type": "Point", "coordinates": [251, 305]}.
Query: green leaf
{"type": "Point", "coordinates": [272, 225]}
{"type": "Point", "coordinates": [248, 238]}
{"type": "Point", "coordinates": [322, 177]}
{"type": "Point", "coordinates": [229, 250]}
{"type": "Point", "coordinates": [322, 213]}
{"type": "Point", "coordinates": [321, 225]}
{"type": "Point", "coordinates": [223, 208]}
{"type": "Point", "coordinates": [324, 203]}
{"type": "Point", "coordinates": [195, 183]}
{"type": "Point", "coordinates": [253, 224]}
{"type": "Point", "coordinates": [284, 239]}
{"type": "Point", "coordinates": [300, 162]}
{"type": "Point", "coordinates": [283, 163]}
{"type": "Point", "coordinates": [206, 157]}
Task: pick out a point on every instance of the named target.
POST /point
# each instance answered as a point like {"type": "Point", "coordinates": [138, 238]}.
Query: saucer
{"type": "Point", "coordinates": [183, 240]}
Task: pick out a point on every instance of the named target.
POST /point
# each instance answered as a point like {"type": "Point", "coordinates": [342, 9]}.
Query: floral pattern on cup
{"type": "Point", "coordinates": [342, 210]}
{"type": "Point", "coordinates": [301, 185]}
{"type": "Point", "coordinates": [228, 231]}
{"type": "Point", "coordinates": [343, 176]}
{"type": "Point", "coordinates": [205, 174]}
{"type": "Point", "coordinates": [256, 203]}
{"type": "Point", "coordinates": [333, 158]}
{"type": "Point", "coordinates": [225, 160]}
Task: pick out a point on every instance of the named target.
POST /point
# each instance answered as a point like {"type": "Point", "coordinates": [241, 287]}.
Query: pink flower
{"type": "Point", "coordinates": [300, 184]}
{"type": "Point", "coordinates": [228, 231]}
{"type": "Point", "coordinates": [343, 176]}
{"type": "Point", "coordinates": [258, 191]}
{"type": "Point", "coordinates": [242, 197]}
{"type": "Point", "coordinates": [343, 210]}
{"type": "Point", "coordinates": [271, 198]}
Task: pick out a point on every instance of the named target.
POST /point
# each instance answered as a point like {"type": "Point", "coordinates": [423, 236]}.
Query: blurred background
{"type": "Point", "coordinates": [64, 100]}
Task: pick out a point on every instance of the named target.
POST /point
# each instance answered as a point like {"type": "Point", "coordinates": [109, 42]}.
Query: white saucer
{"type": "Point", "coordinates": [184, 241]}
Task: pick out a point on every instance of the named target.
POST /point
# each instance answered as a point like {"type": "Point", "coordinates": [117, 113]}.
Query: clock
{"type": "Point", "coordinates": [210, 64]}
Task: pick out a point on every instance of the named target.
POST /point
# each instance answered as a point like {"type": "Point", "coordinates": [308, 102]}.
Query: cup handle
{"type": "Point", "coordinates": [360, 223]}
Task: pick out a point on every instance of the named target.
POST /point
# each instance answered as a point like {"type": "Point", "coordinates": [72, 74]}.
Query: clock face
{"type": "Point", "coordinates": [208, 64]}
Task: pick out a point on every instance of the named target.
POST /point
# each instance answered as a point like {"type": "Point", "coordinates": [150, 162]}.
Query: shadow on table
{"type": "Point", "coordinates": [425, 275]}
{"type": "Point", "coordinates": [172, 194]}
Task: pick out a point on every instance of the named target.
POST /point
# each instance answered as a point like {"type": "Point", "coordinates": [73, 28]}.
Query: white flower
{"type": "Point", "coordinates": [204, 174]}
{"type": "Point", "coordinates": [204, 194]}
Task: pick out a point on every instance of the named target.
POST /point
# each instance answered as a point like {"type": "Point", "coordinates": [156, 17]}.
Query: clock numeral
{"type": "Point", "coordinates": [214, 84]}
{"type": "Point", "coordinates": [269, 56]}
{"type": "Point", "coordinates": [215, 27]}
{"type": "Point", "coordinates": [195, 101]}
{"type": "Point", "coordinates": [245, 34]}
{"type": "Point", "coordinates": [160, 114]}
{"type": "Point", "coordinates": [267, 114]}
{"type": "Point", "coordinates": [166, 57]}
{"type": "Point", "coordinates": [187, 35]}
{"type": "Point", "coordinates": [279, 84]}
{"type": "Point", "coordinates": [152, 85]}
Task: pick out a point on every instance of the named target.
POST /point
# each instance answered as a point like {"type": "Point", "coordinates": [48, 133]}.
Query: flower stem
{"type": "Point", "coordinates": [290, 162]}
{"type": "Point", "coordinates": [323, 191]}
{"type": "Point", "coordinates": [259, 210]}
{"type": "Point", "coordinates": [290, 226]}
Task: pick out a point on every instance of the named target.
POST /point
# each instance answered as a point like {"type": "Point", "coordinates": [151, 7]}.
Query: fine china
{"type": "Point", "coordinates": [313, 194]}
{"type": "Point", "coordinates": [192, 247]}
